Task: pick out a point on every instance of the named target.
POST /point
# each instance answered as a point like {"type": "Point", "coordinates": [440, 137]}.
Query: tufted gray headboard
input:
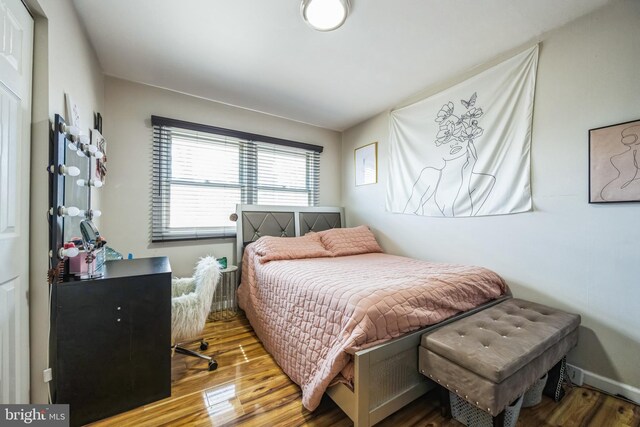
{"type": "Point", "coordinates": [255, 221]}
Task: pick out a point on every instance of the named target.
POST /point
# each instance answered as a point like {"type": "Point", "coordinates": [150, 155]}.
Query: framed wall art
{"type": "Point", "coordinates": [73, 111]}
{"type": "Point", "coordinates": [99, 165]}
{"type": "Point", "coordinates": [366, 164]}
{"type": "Point", "coordinates": [614, 163]}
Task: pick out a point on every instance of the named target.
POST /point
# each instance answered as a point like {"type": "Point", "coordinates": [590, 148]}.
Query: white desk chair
{"type": "Point", "coordinates": [190, 304]}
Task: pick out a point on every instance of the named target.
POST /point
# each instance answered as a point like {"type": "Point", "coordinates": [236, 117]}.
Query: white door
{"type": "Point", "coordinates": [16, 52]}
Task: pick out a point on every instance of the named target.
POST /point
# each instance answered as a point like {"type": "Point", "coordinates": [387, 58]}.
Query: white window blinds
{"type": "Point", "coordinates": [201, 172]}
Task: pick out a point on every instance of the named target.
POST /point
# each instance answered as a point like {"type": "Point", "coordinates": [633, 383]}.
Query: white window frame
{"type": "Point", "coordinates": [247, 176]}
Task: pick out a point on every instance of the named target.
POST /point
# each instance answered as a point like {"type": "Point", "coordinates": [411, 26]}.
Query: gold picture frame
{"type": "Point", "coordinates": [365, 161]}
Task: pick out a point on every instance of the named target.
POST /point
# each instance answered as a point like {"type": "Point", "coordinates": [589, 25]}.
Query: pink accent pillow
{"type": "Point", "coordinates": [269, 248]}
{"type": "Point", "coordinates": [349, 241]}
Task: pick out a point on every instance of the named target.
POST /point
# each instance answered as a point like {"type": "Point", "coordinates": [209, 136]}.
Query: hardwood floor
{"type": "Point", "coordinates": [249, 389]}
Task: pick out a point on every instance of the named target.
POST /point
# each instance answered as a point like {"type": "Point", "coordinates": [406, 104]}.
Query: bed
{"type": "Point", "coordinates": [312, 314]}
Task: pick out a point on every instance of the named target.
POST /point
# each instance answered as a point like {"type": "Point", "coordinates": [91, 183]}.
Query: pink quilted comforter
{"type": "Point", "coordinates": [312, 314]}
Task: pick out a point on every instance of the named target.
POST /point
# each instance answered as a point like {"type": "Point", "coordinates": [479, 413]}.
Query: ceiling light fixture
{"type": "Point", "coordinates": [325, 15]}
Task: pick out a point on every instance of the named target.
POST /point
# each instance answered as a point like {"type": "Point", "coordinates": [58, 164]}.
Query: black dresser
{"type": "Point", "coordinates": [111, 339]}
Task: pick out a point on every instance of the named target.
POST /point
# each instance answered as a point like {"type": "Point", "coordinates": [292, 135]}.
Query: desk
{"type": "Point", "coordinates": [111, 339]}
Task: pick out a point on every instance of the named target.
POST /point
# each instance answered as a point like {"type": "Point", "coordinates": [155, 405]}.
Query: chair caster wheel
{"type": "Point", "coordinates": [204, 345]}
{"type": "Point", "coordinates": [213, 365]}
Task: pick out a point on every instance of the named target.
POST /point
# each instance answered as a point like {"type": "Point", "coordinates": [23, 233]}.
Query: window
{"type": "Point", "coordinates": [201, 172]}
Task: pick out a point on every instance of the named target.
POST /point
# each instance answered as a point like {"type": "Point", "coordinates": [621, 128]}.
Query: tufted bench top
{"type": "Point", "coordinates": [497, 342]}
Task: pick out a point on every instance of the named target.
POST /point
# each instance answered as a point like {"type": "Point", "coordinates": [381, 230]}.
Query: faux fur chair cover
{"type": "Point", "coordinates": [191, 300]}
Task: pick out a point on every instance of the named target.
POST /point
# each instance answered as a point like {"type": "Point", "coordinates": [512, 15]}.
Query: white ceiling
{"type": "Point", "coordinates": [259, 54]}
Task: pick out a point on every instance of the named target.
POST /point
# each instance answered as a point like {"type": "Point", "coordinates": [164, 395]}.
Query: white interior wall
{"type": "Point", "coordinates": [566, 253]}
{"type": "Point", "coordinates": [64, 61]}
{"type": "Point", "coordinates": [126, 198]}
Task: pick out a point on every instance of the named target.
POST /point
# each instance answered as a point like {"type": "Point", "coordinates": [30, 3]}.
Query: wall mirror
{"type": "Point", "coordinates": [73, 174]}
{"type": "Point", "coordinates": [74, 194]}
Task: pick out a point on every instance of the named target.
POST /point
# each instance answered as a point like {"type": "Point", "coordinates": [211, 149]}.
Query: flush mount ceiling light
{"type": "Point", "coordinates": [324, 15]}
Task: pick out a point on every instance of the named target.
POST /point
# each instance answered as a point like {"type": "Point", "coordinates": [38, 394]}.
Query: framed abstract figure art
{"type": "Point", "coordinates": [614, 163]}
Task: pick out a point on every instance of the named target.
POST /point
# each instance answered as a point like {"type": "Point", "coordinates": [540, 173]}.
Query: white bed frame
{"type": "Point", "coordinates": [386, 376]}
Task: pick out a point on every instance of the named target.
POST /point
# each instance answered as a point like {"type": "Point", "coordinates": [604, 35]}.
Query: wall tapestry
{"type": "Point", "coordinates": [614, 163]}
{"type": "Point", "coordinates": [465, 151]}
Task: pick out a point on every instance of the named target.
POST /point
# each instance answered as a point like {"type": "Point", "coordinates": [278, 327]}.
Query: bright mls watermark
{"type": "Point", "coordinates": [34, 415]}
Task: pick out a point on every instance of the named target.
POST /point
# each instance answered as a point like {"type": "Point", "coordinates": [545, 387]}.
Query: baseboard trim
{"type": "Point", "coordinates": [610, 386]}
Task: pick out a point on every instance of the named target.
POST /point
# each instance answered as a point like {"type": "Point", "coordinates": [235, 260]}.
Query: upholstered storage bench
{"type": "Point", "coordinates": [492, 357]}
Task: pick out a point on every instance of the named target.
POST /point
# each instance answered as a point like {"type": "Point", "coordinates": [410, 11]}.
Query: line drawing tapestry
{"type": "Point", "coordinates": [466, 150]}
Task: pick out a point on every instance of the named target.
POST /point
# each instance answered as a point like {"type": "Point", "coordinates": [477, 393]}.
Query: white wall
{"type": "Point", "coordinates": [566, 253]}
{"type": "Point", "coordinates": [126, 196]}
{"type": "Point", "coordinates": [64, 61]}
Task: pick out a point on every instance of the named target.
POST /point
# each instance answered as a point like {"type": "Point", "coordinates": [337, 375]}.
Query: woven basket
{"type": "Point", "coordinates": [533, 396]}
{"type": "Point", "coordinates": [464, 412]}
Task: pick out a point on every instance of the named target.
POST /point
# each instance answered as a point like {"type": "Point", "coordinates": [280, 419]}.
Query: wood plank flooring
{"type": "Point", "coordinates": [249, 389]}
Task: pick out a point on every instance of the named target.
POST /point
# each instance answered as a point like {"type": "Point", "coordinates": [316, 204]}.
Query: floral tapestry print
{"type": "Point", "coordinates": [465, 151]}
{"type": "Point", "coordinates": [458, 133]}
